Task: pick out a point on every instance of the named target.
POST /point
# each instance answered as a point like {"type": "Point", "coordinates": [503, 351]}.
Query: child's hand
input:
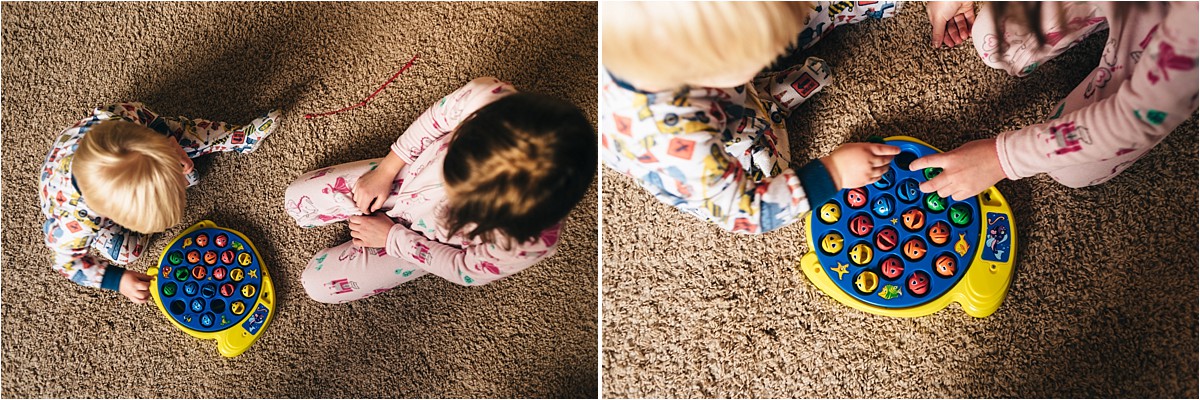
{"type": "Point", "coordinates": [858, 164]}
{"type": "Point", "coordinates": [370, 230]}
{"type": "Point", "coordinates": [136, 286]}
{"type": "Point", "coordinates": [966, 171]}
{"type": "Point", "coordinates": [372, 189]}
{"type": "Point", "coordinates": [951, 20]}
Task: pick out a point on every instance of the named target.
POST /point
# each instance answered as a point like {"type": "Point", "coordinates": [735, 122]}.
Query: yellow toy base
{"type": "Point", "coordinates": [237, 338]}
{"type": "Point", "coordinates": [980, 292]}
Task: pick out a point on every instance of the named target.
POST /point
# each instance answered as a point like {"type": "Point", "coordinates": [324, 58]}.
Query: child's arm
{"type": "Point", "coordinates": [685, 165]}
{"type": "Point", "coordinates": [442, 117]}
{"type": "Point", "coordinates": [374, 187]}
{"type": "Point", "coordinates": [70, 240]}
{"type": "Point", "coordinates": [1160, 94]}
{"type": "Point", "coordinates": [472, 265]}
{"type": "Point", "coordinates": [200, 136]}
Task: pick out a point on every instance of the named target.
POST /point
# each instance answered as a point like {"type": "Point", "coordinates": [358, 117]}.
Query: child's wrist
{"type": "Point", "coordinates": [391, 163]}
{"type": "Point", "coordinates": [834, 174]}
{"type": "Point", "coordinates": [112, 278]}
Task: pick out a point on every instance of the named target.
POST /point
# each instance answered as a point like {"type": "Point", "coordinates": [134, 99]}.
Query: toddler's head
{"type": "Point", "coordinates": [517, 166]}
{"type": "Point", "coordinates": [132, 175]}
{"type": "Point", "coordinates": [667, 45]}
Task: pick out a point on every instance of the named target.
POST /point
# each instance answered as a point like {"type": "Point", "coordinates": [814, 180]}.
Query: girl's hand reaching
{"type": "Point", "coordinates": [858, 164]}
{"type": "Point", "coordinates": [370, 230]}
{"type": "Point", "coordinates": [951, 20]}
{"type": "Point", "coordinates": [966, 171]}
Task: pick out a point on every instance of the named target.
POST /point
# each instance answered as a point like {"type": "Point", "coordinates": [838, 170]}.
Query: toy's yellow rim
{"type": "Point", "coordinates": [264, 292]}
{"type": "Point", "coordinates": [980, 292]}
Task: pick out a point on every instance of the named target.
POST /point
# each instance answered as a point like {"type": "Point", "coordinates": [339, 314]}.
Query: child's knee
{"type": "Point", "coordinates": [314, 283]}
{"type": "Point", "coordinates": [296, 189]}
{"type": "Point", "coordinates": [987, 45]}
{"type": "Point", "coordinates": [997, 61]}
{"type": "Point", "coordinates": [298, 204]}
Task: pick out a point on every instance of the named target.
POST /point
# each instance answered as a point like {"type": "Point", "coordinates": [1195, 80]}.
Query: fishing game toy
{"type": "Point", "coordinates": [211, 283]}
{"type": "Point", "coordinates": [889, 249]}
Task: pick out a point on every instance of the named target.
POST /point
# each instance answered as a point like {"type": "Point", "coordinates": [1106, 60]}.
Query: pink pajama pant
{"type": "Point", "coordinates": [1023, 56]}
{"type": "Point", "coordinates": [345, 272]}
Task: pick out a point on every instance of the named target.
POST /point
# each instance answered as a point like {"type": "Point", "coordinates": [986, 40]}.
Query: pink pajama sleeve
{"type": "Point", "coordinates": [1159, 95]}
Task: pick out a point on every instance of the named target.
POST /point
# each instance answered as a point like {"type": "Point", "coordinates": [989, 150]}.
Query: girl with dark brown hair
{"type": "Point", "coordinates": [475, 190]}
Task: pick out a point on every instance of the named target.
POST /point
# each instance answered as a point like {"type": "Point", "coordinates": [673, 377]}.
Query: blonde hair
{"type": "Point", "coordinates": [132, 175]}
{"type": "Point", "coordinates": [669, 45]}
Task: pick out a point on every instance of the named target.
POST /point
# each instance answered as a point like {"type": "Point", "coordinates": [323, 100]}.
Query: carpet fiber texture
{"type": "Point", "coordinates": [1104, 298]}
{"type": "Point", "coordinates": [533, 334]}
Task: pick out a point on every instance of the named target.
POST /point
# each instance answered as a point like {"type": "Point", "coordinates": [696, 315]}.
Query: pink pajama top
{"type": "Point", "coordinates": [1160, 93]}
{"type": "Point", "coordinates": [421, 236]}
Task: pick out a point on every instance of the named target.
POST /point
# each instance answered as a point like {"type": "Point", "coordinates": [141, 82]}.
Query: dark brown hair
{"type": "Point", "coordinates": [517, 166]}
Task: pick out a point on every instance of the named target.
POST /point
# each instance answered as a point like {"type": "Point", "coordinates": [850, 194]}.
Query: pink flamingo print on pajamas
{"type": "Point", "coordinates": [550, 236]}
{"type": "Point", "coordinates": [1168, 60]}
{"type": "Point", "coordinates": [489, 267]}
{"type": "Point", "coordinates": [338, 186]}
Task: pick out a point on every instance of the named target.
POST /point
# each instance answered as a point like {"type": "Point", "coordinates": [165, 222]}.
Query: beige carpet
{"type": "Point", "coordinates": [1103, 304]}
{"type": "Point", "coordinates": [533, 334]}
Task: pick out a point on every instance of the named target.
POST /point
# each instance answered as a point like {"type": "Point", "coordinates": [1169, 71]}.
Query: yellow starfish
{"type": "Point", "coordinates": [841, 270]}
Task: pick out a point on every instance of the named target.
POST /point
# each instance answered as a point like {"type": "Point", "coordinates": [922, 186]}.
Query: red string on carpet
{"type": "Point", "coordinates": [364, 101]}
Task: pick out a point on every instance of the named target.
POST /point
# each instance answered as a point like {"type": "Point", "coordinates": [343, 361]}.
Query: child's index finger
{"type": "Point", "coordinates": [925, 162]}
{"type": "Point", "coordinates": [885, 150]}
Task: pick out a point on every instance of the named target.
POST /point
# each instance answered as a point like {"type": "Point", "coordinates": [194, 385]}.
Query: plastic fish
{"type": "Point", "coordinates": [962, 246]}
{"type": "Point", "coordinates": [890, 292]}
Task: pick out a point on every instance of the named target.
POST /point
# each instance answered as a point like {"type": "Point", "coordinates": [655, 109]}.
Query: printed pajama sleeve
{"type": "Point", "coordinates": [441, 118]}
{"type": "Point", "coordinates": [200, 136]}
{"type": "Point", "coordinates": [473, 265]}
{"type": "Point", "coordinates": [1160, 94]}
{"type": "Point", "coordinates": [71, 257]}
{"type": "Point", "coordinates": [688, 167]}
